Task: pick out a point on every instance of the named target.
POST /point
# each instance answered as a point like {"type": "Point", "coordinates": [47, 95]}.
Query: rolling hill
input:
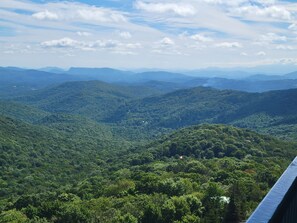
{"type": "Point", "coordinates": [270, 112]}
{"type": "Point", "coordinates": [94, 99]}
{"type": "Point", "coordinates": [17, 81]}
{"type": "Point", "coordinates": [50, 177]}
{"type": "Point", "coordinates": [81, 151]}
{"type": "Point", "coordinates": [20, 111]}
{"type": "Point", "coordinates": [183, 107]}
{"type": "Point", "coordinates": [39, 157]}
{"type": "Point", "coordinates": [149, 111]}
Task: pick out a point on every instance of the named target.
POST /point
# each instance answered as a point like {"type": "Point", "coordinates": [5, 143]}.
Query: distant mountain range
{"type": "Point", "coordinates": [14, 81]}
{"type": "Point", "coordinates": [149, 109]}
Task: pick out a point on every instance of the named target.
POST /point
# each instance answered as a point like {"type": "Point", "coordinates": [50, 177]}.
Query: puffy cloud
{"type": "Point", "coordinates": [266, 2]}
{"type": "Point", "coordinates": [180, 9]}
{"type": "Point", "coordinates": [288, 61]}
{"type": "Point", "coordinates": [45, 15]}
{"type": "Point", "coordinates": [276, 12]}
{"type": "Point", "coordinates": [125, 35]}
{"type": "Point", "coordinates": [100, 15]}
{"type": "Point", "coordinates": [133, 45]}
{"type": "Point", "coordinates": [108, 44]}
{"type": "Point", "coordinates": [167, 42]}
{"type": "Point", "coordinates": [166, 46]}
{"type": "Point", "coordinates": [229, 45]}
{"type": "Point", "coordinates": [285, 47]}
{"type": "Point", "coordinates": [74, 12]}
{"type": "Point", "coordinates": [201, 38]}
{"type": "Point", "coordinates": [61, 43]}
{"type": "Point", "coordinates": [272, 37]}
{"type": "Point", "coordinates": [83, 33]}
{"type": "Point", "coordinates": [235, 3]}
{"type": "Point", "coordinates": [261, 53]}
{"type": "Point", "coordinates": [89, 46]}
{"type": "Point", "coordinates": [224, 2]}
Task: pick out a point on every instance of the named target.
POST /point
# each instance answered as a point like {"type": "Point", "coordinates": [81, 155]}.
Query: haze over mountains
{"type": "Point", "coordinates": [154, 100]}
{"type": "Point", "coordinates": [16, 80]}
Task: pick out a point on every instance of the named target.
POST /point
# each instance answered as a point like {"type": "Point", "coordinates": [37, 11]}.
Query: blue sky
{"type": "Point", "coordinates": [169, 34]}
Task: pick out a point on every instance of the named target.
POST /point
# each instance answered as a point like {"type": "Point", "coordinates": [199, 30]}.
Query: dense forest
{"type": "Point", "coordinates": [90, 151]}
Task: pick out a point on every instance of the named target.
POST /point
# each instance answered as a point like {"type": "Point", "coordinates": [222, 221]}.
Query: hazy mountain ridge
{"type": "Point", "coordinates": [17, 81]}
{"type": "Point", "coordinates": [94, 98]}
{"type": "Point", "coordinates": [131, 107]}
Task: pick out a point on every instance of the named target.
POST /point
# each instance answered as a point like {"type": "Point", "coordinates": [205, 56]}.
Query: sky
{"type": "Point", "coordinates": [131, 34]}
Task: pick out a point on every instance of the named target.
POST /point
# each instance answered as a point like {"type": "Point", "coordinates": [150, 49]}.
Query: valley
{"type": "Point", "coordinates": [92, 151]}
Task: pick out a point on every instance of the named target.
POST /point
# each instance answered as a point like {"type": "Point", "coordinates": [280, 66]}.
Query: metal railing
{"type": "Point", "coordinates": [280, 204]}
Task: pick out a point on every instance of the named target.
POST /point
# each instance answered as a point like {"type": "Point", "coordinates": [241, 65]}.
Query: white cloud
{"type": "Point", "coordinates": [266, 2]}
{"type": "Point", "coordinates": [45, 15]}
{"type": "Point", "coordinates": [124, 52]}
{"type": "Point", "coordinates": [61, 43]}
{"type": "Point", "coordinates": [166, 41]}
{"type": "Point", "coordinates": [201, 38]}
{"type": "Point", "coordinates": [125, 35]}
{"type": "Point", "coordinates": [293, 27]}
{"type": "Point", "coordinates": [133, 45]}
{"type": "Point", "coordinates": [253, 11]}
{"type": "Point", "coordinates": [272, 37]}
{"type": "Point", "coordinates": [67, 11]}
{"type": "Point", "coordinates": [285, 47]}
{"type": "Point", "coordinates": [91, 45]}
{"type": "Point", "coordinates": [166, 46]}
{"type": "Point", "coordinates": [224, 2]}
{"type": "Point", "coordinates": [114, 44]}
{"type": "Point", "coordinates": [229, 45]}
{"type": "Point", "coordinates": [288, 61]}
{"type": "Point", "coordinates": [97, 14]}
{"type": "Point", "coordinates": [261, 53]}
{"type": "Point", "coordinates": [83, 33]}
{"type": "Point", "coordinates": [180, 9]}
{"type": "Point", "coordinates": [283, 61]}
{"type": "Point", "coordinates": [112, 33]}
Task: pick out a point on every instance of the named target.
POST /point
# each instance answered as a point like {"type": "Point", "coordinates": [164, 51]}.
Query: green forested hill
{"type": "Point", "coordinates": [94, 152]}
{"type": "Point", "coordinates": [14, 81]}
{"type": "Point", "coordinates": [182, 108]}
{"type": "Point", "coordinates": [35, 158]}
{"type": "Point", "coordinates": [217, 141]}
{"type": "Point", "coordinates": [196, 174]}
{"type": "Point", "coordinates": [128, 109]}
{"type": "Point", "coordinates": [20, 111]}
{"type": "Point", "coordinates": [271, 112]}
{"type": "Point", "coordinates": [94, 99]}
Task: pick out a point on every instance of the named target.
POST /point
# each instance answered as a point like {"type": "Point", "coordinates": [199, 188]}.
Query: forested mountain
{"type": "Point", "coordinates": [102, 74]}
{"type": "Point", "coordinates": [16, 81]}
{"type": "Point", "coordinates": [250, 85]}
{"type": "Point", "coordinates": [131, 107]}
{"type": "Point", "coordinates": [191, 174]}
{"type": "Point", "coordinates": [200, 105]}
{"type": "Point", "coordinates": [90, 151]}
{"type": "Point", "coordinates": [95, 99]}
{"type": "Point", "coordinates": [183, 107]}
{"type": "Point", "coordinates": [35, 158]}
{"type": "Point", "coordinates": [20, 111]}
